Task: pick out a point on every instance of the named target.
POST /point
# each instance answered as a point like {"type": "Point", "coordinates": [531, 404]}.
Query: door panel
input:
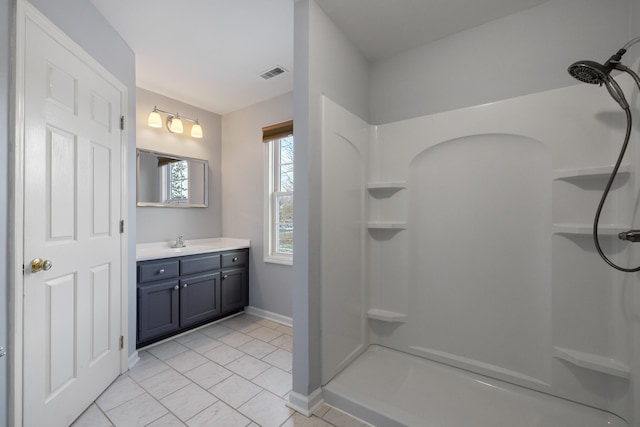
{"type": "Point", "coordinates": [61, 181]}
{"type": "Point", "coordinates": [157, 309]}
{"type": "Point", "coordinates": [60, 316]}
{"type": "Point", "coordinates": [234, 286]}
{"type": "Point", "coordinates": [100, 194]}
{"type": "Point", "coordinates": [72, 312]}
{"type": "Point", "coordinates": [100, 316]}
{"type": "Point", "coordinates": [199, 298]}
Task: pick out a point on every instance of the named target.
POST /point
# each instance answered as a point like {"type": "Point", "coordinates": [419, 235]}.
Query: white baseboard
{"type": "Point", "coordinates": [288, 321]}
{"type": "Point", "coordinates": [306, 405]}
{"type": "Point", "coordinates": [133, 359]}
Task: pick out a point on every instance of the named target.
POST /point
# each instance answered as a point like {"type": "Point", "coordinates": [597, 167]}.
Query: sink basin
{"type": "Point", "coordinates": [158, 250]}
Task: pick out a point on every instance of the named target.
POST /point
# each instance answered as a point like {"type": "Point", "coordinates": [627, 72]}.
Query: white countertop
{"type": "Point", "coordinates": [157, 250]}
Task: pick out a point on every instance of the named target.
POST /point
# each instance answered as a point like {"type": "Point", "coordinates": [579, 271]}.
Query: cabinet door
{"type": "Point", "coordinates": [199, 298]}
{"type": "Point", "coordinates": [234, 289]}
{"type": "Point", "coordinates": [157, 309]}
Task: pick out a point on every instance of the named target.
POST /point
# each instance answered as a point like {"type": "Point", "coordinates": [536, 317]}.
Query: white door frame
{"type": "Point", "coordinates": [25, 11]}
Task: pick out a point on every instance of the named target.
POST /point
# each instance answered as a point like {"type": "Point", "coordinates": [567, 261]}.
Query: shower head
{"type": "Point", "coordinates": [598, 74]}
{"type": "Point", "coordinates": [589, 72]}
{"type": "Point", "coordinates": [593, 73]}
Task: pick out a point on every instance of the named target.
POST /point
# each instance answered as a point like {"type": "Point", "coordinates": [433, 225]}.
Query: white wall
{"type": "Point", "coordinates": [520, 54]}
{"type": "Point", "coordinates": [326, 63]}
{"type": "Point", "coordinates": [270, 285]}
{"type": "Point", "coordinates": [6, 25]}
{"type": "Point", "coordinates": [467, 172]}
{"type": "Point", "coordinates": [165, 224]}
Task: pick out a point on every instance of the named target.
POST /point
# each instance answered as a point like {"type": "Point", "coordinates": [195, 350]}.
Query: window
{"type": "Point", "coordinates": [279, 193]}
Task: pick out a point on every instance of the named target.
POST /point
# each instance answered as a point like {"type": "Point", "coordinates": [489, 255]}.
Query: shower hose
{"type": "Point", "coordinates": [612, 177]}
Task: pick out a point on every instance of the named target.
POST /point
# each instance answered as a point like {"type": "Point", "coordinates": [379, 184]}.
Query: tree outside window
{"type": "Point", "coordinates": [178, 182]}
{"type": "Point", "coordinates": [284, 195]}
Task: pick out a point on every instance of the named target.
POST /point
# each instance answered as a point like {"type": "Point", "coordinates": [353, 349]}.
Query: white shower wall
{"type": "Point", "coordinates": [464, 238]}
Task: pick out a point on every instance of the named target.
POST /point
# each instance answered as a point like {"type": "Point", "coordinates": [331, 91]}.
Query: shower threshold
{"type": "Point", "coordinates": [390, 388]}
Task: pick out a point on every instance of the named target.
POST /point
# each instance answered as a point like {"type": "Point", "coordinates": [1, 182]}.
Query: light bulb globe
{"type": "Point", "coordinates": [155, 121]}
{"type": "Point", "coordinates": [174, 124]}
{"type": "Point", "coordinates": [196, 130]}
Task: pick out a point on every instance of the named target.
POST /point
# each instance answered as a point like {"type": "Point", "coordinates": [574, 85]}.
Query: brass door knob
{"type": "Point", "coordinates": [39, 264]}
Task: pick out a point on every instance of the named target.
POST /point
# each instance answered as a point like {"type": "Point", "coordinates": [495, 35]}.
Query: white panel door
{"type": "Point", "coordinates": [71, 216]}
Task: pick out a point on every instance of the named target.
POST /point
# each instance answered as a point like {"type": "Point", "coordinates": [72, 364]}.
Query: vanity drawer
{"type": "Point", "coordinates": [157, 270]}
{"type": "Point", "coordinates": [232, 259]}
{"type": "Point", "coordinates": [199, 263]}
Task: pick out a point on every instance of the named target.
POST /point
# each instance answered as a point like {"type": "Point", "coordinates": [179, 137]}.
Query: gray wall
{"type": "Point", "coordinates": [5, 29]}
{"type": "Point", "coordinates": [326, 63]}
{"type": "Point", "coordinates": [165, 224]}
{"type": "Point", "coordinates": [81, 21]}
{"type": "Point", "coordinates": [633, 55]}
{"type": "Point", "coordinates": [520, 54]}
{"type": "Point", "coordinates": [271, 285]}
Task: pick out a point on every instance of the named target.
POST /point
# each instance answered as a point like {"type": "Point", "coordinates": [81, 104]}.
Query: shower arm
{"type": "Point", "coordinates": [614, 61]}
{"type": "Point", "coordinates": [631, 43]}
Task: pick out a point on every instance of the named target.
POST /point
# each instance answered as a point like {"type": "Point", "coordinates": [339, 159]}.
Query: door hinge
{"type": "Point", "coordinates": [121, 342]}
{"type": "Point", "coordinates": [121, 122]}
{"type": "Point", "coordinates": [121, 226]}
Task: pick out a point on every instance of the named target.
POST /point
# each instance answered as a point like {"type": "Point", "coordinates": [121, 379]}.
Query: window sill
{"type": "Point", "coordinates": [279, 259]}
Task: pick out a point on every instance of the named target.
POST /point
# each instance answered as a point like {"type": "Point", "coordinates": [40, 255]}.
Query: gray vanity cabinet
{"type": "Point", "coordinates": [234, 281]}
{"type": "Point", "coordinates": [176, 294]}
{"type": "Point", "coordinates": [157, 309]}
{"type": "Point", "coordinates": [199, 299]}
{"type": "Point", "coordinates": [233, 291]}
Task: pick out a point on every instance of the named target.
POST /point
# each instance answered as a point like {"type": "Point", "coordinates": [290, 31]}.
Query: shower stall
{"type": "Point", "coordinates": [460, 284]}
{"type": "Point", "coordinates": [447, 274]}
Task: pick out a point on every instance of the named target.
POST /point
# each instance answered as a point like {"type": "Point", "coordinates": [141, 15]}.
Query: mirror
{"type": "Point", "coordinates": [171, 181]}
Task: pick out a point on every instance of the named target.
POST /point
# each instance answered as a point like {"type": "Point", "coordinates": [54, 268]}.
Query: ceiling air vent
{"type": "Point", "coordinates": [272, 72]}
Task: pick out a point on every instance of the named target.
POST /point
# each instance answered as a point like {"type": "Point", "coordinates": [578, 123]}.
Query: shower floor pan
{"type": "Point", "coordinates": [388, 388]}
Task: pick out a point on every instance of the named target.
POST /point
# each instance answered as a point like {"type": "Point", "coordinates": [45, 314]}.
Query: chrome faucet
{"type": "Point", "coordinates": [179, 243]}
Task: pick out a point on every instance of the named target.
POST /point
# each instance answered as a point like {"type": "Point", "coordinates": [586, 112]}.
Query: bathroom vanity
{"type": "Point", "coordinates": [182, 288]}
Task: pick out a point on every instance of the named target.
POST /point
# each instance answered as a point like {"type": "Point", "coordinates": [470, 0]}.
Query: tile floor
{"type": "Point", "coordinates": [233, 373]}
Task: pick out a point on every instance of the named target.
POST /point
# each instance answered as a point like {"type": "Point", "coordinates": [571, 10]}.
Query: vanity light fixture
{"type": "Point", "coordinates": [174, 122]}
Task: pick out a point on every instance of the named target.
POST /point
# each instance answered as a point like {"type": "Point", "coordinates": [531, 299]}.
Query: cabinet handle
{"type": "Point", "coordinates": [176, 287]}
{"type": "Point", "coordinates": [235, 259]}
{"type": "Point", "coordinates": [185, 285]}
{"type": "Point", "coordinates": [225, 276]}
{"type": "Point", "coordinates": [161, 271]}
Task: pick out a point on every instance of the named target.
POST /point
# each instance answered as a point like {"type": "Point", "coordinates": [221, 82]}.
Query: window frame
{"type": "Point", "coordinates": [271, 223]}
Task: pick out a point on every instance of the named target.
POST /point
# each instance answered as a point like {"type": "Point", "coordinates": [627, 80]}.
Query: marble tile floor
{"type": "Point", "coordinates": [233, 373]}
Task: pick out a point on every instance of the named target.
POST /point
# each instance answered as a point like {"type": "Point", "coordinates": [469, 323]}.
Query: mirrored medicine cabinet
{"type": "Point", "coordinates": [169, 180]}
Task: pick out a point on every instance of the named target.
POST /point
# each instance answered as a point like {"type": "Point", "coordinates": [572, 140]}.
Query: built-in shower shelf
{"type": "Point", "coordinates": [589, 172]}
{"type": "Point", "coordinates": [387, 225]}
{"type": "Point", "coordinates": [595, 362]}
{"type": "Point", "coordinates": [386, 316]}
{"type": "Point", "coordinates": [587, 229]}
{"type": "Point", "coordinates": [388, 185]}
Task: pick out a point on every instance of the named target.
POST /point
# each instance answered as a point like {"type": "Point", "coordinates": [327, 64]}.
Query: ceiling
{"type": "Point", "coordinates": [210, 53]}
{"type": "Point", "coordinates": [207, 53]}
{"type": "Point", "coordinates": [382, 28]}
